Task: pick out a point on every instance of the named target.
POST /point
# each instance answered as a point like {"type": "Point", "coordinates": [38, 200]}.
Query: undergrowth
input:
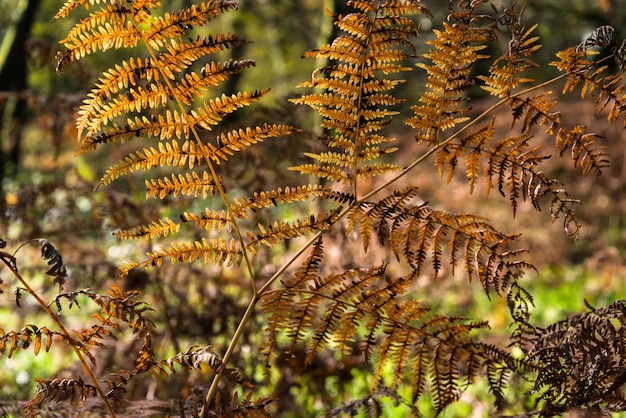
{"type": "Point", "coordinates": [275, 291]}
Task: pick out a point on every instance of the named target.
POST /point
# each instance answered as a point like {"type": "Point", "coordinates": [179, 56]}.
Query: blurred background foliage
{"type": "Point", "coordinates": [46, 192]}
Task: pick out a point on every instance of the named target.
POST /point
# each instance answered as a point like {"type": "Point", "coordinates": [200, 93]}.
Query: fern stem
{"type": "Point", "coordinates": [71, 341]}
{"type": "Point", "coordinates": [229, 351]}
{"type": "Point", "coordinates": [196, 136]}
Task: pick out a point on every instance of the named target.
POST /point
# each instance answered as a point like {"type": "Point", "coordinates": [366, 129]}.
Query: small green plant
{"type": "Point", "coordinates": [308, 302]}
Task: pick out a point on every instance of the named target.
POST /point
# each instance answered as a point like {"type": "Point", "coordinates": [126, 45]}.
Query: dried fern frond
{"type": "Point", "coordinates": [363, 304]}
{"type": "Point", "coordinates": [223, 407]}
{"type": "Point", "coordinates": [355, 103]}
{"type": "Point", "coordinates": [580, 361]}
{"type": "Point", "coordinates": [59, 390]}
{"type": "Point", "coordinates": [28, 336]}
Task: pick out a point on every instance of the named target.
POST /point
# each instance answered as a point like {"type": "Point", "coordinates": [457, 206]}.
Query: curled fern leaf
{"type": "Point", "coordinates": [55, 261]}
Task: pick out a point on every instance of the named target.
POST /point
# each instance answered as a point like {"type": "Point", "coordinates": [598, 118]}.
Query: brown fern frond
{"type": "Point", "coordinates": [455, 49]}
{"type": "Point", "coordinates": [220, 407]}
{"type": "Point", "coordinates": [122, 306]}
{"type": "Point", "coordinates": [399, 335]}
{"type": "Point", "coordinates": [593, 81]}
{"type": "Point", "coordinates": [580, 361]}
{"type": "Point", "coordinates": [354, 104]}
{"type": "Point", "coordinates": [59, 390]}
{"type": "Point", "coordinates": [30, 335]}
{"type": "Point", "coordinates": [418, 232]}
{"type": "Point", "coordinates": [278, 304]}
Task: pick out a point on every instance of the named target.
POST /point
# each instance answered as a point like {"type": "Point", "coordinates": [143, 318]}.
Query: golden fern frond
{"type": "Point", "coordinates": [166, 154]}
{"type": "Point", "coordinates": [590, 78]}
{"type": "Point", "coordinates": [162, 227]}
{"type": "Point", "coordinates": [101, 34]}
{"type": "Point", "coordinates": [280, 196]}
{"type": "Point", "coordinates": [30, 335]}
{"type": "Point", "coordinates": [153, 96]}
{"type": "Point", "coordinates": [193, 84]}
{"type": "Point", "coordinates": [215, 250]}
{"type": "Point", "coordinates": [179, 55]}
{"type": "Point", "coordinates": [354, 103]}
{"type": "Point", "coordinates": [279, 231]}
{"type": "Point", "coordinates": [455, 50]}
{"type": "Point", "coordinates": [106, 101]}
{"type": "Point", "coordinates": [210, 220]}
{"type": "Point", "coordinates": [190, 184]}
{"type": "Point", "coordinates": [175, 24]}
{"type": "Point", "coordinates": [239, 139]}
{"type": "Point", "coordinates": [215, 109]}
{"type": "Point", "coordinates": [503, 79]}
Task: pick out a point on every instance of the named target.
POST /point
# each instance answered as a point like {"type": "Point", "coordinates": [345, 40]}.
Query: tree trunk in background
{"type": "Point", "coordinates": [13, 83]}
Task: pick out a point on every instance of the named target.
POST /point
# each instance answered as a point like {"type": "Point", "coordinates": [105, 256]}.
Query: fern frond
{"type": "Point", "coordinates": [122, 306]}
{"type": "Point", "coordinates": [30, 335]}
{"type": "Point", "coordinates": [234, 407]}
{"type": "Point", "coordinates": [280, 231]}
{"type": "Point", "coordinates": [162, 227]}
{"type": "Point", "coordinates": [112, 34]}
{"type": "Point", "coordinates": [190, 184]}
{"type": "Point", "coordinates": [239, 139]}
{"type": "Point", "coordinates": [166, 154]}
{"type": "Point", "coordinates": [59, 390]}
{"type": "Point", "coordinates": [592, 80]}
{"type": "Point", "coordinates": [400, 337]}
{"type": "Point", "coordinates": [580, 360]}
{"type": "Point", "coordinates": [213, 110]}
{"type": "Point", "coordinates": [278, 304]}
{"type": "Point", "coordinates": [354, 103]}
{"type": "Point", "coordinates": [280, 196]}
{"type": "Point", "coordinates": [209, 220]}
{"type": "Point", "coordinates": [455, 49]}
{"type": "Point", "coordinates": [175, 24]}
{"type": "Point", "coordinates": [217, 251]}
{"type": "Point", "coordinates": [193, 84]}
{"type": "Point", "coordinates": [502, 80]}
{"type": "Point", "coordinates": [179, 54]}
